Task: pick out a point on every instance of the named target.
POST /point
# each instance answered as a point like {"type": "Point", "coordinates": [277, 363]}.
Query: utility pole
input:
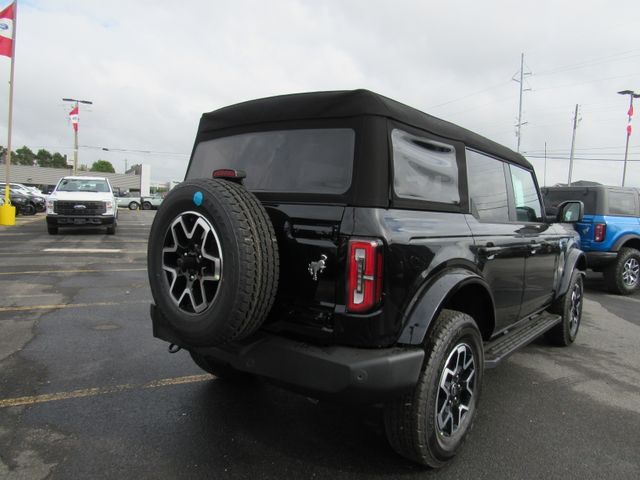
{"type": "Point", "coordinates": [632, 95]}
{"type": "Point", "coordinates": [520, 80]}
{"type": "Point", "coordinates": [545, 165]}
{"type": "Point", "coordinates": [75, 128]}
{"type": "Point", "coordinates": [573, 143]}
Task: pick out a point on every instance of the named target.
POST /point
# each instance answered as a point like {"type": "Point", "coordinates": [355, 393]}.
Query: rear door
{"type": "Point", "coordinates": [500, 246]}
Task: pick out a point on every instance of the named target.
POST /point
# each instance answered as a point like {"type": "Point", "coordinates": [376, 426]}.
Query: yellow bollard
{"type": "Point", "coordinates": [7, 215]}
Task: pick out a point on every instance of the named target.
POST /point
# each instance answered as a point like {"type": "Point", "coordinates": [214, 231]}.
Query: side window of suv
{"type": "Point", "coordinates": [424, 169]}
{"type": "Point", "coordinates": [487, 188]}
{"type": "Point", "coordinates": [528, 207]}
{"type": "Point", "coordinates": [622, 203]}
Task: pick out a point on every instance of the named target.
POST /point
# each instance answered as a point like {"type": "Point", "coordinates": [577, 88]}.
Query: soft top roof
{"type": "Point", "coordinates": [347, 103]}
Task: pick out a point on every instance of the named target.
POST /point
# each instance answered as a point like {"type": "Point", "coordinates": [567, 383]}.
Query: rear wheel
{"type": "Point", "coordinates": [146, 206]}
{"type": "Point", "coordinates": [133, 206]}
{"type": "Point", "coordinates": [430, 424]}
{"type": "Point", "coordinates": [623, 276]}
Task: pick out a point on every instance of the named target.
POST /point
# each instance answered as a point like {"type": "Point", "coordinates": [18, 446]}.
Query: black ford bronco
{"type": "Point", "coordinates": [345, 245]}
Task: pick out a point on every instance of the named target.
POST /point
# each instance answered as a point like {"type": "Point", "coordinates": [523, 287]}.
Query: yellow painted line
{"type": "Point", "coordinates": [98, 391]}
{"type": "Point", "coordinates": [59, 306]}
{"type": "Point", "coordinates": [48, 250]}
{"type": "Point", "coordinates": [41, 272]}
{"type": "Point", "coordinates": [83, 250]}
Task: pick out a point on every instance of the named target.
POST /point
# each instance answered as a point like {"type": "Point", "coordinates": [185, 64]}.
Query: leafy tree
{"type": "Point", "coordinates": [58, 161]}
{"type": "Point", "coordinates": [44, 158]}
{"type": "Point", "coordinates": [102, 166]}
{"type": "Point", "coordinates": [24, 156]}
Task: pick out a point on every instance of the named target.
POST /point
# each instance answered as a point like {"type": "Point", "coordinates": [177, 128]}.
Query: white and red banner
{"type": "Point", "coordinates": [74, 117]}
{"type": "Point", "coordinates": [7, 18]}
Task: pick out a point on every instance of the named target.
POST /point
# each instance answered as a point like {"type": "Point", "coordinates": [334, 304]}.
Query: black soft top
{"type": "Point", "coordinates": [347, 103]}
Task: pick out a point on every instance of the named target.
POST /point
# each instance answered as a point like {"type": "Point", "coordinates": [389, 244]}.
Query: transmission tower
{"type": "Point", "coordinates": [519, 78]}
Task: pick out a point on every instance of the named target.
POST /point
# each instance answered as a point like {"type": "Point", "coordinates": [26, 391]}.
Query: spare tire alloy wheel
{"type": "Point", "coordinates": [192, 258]}
{"type": "Point", "coordinates": [212, 262]}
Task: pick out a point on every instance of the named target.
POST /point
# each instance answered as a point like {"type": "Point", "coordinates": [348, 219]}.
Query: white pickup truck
{"type": "Point", "coordinates": [82, 202]}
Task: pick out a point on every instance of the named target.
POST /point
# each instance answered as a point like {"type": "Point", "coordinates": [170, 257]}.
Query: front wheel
{"type": "Point", "coordinates": [623, 276]}
{"type": "Point", "coordinates": [570, 307]}
{"type": "Point", "coordinates": [430, 424]}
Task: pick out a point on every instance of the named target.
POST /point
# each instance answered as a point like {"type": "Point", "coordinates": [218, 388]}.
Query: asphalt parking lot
{"type": "Point", "coordinates": [87, 392]}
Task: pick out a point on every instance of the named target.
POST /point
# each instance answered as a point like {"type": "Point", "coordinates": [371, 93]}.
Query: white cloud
{"type": "Point", "coordinates": [152, 67]}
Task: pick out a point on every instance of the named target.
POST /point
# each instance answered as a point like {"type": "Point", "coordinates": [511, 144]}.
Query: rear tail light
{"type": "Point", "coordinates": [600, 232]}
{"type": "Point", "coordinates": [364, 275]}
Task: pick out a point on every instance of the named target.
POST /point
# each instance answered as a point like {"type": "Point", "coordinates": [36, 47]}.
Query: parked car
{"type": "Point", "coordinates": [152, 202]}
{"type": "Point", "coordinates": [82, 202]}
{"type": "Point", "coordinates": [131, 202]}
{"type": "Point", "coordinates": [24, 204]}
{"type": "Point", "coordinates": [609, 231]}
{"type": "Point", "coordinates": [345, 245]}
{"type": "Point", "coordinates": [37, 199]}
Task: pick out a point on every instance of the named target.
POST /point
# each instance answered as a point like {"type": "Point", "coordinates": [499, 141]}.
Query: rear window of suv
{"type": "Point", "coordinates": [297, 161]}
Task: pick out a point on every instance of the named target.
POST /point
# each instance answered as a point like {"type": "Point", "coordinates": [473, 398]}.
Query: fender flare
{"type": "Point", "coordinates": [430, 298]}
{"type": "Point", "coordinates": [574, 257]}
{"type": "Point", "coordinates": [622, 240]}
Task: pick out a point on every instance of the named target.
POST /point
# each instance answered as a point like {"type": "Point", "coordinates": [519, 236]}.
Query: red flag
{"type": "Point", "coordinates": [629, 130]}
{"type": "Point", "coordinates": [7, 18]}
{"type": "Point", "coordinates": [73, 116]}
{"type": "Point", "coordinates": [630, 112]}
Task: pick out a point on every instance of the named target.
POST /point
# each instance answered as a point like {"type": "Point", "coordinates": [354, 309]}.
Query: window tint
{"type": "Point", "coordinates": [310, 161]}
{"type": "Point", "coordinates": [621, 203]}
{"type": "Point", "coordinates": [554, 197]}
{"type": "Point", "coordinates": [487, 188]}
{"type": "Point", "coordinates": [528, 208]}
{"type": "Point", "coordinates": [424, 169]}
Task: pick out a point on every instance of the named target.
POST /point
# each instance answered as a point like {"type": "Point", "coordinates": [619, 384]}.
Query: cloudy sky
{"type": "Point", "coordinates": [152, 67]}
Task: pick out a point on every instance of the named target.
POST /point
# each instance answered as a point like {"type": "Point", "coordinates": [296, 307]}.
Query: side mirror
{"type": "Point", "coordinates": [571, 211]}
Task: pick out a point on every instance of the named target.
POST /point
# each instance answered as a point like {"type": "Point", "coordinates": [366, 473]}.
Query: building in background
{"type": "Point", "coordinates": [47, 178]}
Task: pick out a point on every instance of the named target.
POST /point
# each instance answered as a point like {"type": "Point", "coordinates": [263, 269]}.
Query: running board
{"type": "Point", "coordinates": [499, 349]}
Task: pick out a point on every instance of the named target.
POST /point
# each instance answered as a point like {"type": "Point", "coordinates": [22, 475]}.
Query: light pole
{"type": "Point", "coordinates": [632, 95]}
{"type": "Point", "coordinates": [75, 129]}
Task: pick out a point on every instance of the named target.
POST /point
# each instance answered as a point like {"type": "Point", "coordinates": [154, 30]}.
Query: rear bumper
{"type": "Point", "coordinates": [599, 259]}
{"type": "Point", "coordinates": [79, 221]}
{"type": "Point", "coordinates": [338, 372]}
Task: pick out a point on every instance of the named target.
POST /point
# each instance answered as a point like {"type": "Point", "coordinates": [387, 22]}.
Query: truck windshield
{"type": "Point", "coordinates": [310, 161]}
{"type": "Point", "coordinates": [82, 185]}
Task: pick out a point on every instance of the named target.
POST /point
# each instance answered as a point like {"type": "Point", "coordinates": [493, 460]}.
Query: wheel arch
{"type": "Point", "coordinates": [628, 240]}
{"type": "Point", "coordinates": [457, 289]}
{"type": "Point", "coordinates": [575, 258]}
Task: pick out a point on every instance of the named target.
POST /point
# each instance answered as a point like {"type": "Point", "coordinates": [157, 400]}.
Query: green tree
{"type": "Point", "coordinates": [58, 161]}
{"type": "Point", "coordinates": [24, 156]}
{"type": "Point", "coordinates": [44, 158]}
{"type": "Point", "coordinates": [102, 166]}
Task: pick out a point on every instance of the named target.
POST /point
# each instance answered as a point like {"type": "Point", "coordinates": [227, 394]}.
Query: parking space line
{"type": "Point", "coordinates": [59, 306]}
{"type": "Point", "coordinates": [99, 391]}
{"type": "Point", "coordinates": [72, 250]}
{"type": "Point", "coordinates": [48, 272]}
{"type": "Point", "coordinates": [83, 250]}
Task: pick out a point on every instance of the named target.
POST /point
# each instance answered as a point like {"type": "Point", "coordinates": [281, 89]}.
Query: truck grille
{"type": "Point", "coordinates": [66, 207]}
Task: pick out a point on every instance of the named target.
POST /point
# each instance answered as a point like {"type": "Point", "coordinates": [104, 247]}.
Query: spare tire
{"type": "Point", "coordinates": [212, 261]}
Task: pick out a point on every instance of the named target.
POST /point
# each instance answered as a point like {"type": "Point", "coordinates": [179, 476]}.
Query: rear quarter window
{"type": "Point", "coordinates": [622, 203]}
{"type": "Point", "coordinates": [553, 198]}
